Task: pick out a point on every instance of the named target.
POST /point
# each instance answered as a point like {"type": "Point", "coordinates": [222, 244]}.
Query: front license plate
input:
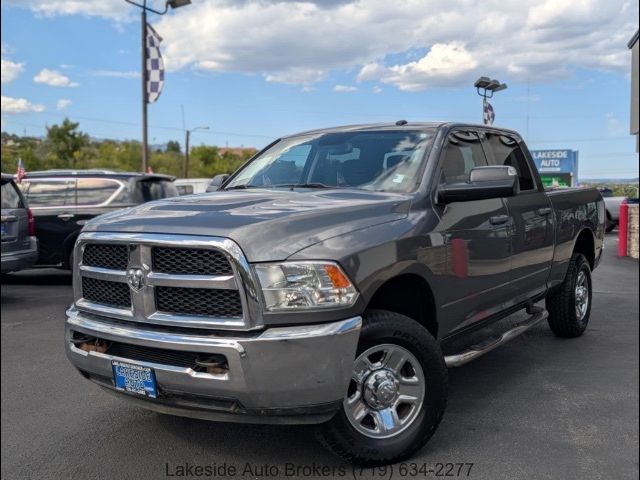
{"type": "Point", "coordinates": [134, 379]}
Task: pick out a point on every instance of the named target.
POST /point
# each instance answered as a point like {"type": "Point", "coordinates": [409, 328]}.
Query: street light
{"type": "Point", "coordinates": [187, 136]}
{"type": "Point", "coordinates": [143, 20]}
{"type": "Point", "coordinates": [486, 87]}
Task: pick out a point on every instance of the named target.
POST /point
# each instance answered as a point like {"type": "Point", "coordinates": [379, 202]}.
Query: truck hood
{"type": "Point", "coordinates": [268, 224]}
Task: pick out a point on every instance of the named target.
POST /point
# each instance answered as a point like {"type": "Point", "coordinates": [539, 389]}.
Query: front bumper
{"type": "Point", "coordinates": [296, 374]}
{"type": "Point", "coordinates": [15, 261]}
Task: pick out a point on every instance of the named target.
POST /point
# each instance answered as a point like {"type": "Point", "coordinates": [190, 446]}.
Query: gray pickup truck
{"type": "Point", "coordinates": [333, 279]}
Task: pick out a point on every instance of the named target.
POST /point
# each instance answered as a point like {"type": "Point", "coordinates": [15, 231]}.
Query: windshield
{"type": "Point", "coordinates": [374, 160]}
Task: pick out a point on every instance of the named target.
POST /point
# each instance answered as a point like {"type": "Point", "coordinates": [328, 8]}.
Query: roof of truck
{"type": "Point", "coordinates": [399, 125]}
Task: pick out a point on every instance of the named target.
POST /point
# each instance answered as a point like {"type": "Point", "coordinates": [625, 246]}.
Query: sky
{"type": "Point", "coordinates": [252, 71]}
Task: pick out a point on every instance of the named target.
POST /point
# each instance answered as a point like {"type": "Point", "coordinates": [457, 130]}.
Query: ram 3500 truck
{"type": "Point", "coordinates": [333, 279]}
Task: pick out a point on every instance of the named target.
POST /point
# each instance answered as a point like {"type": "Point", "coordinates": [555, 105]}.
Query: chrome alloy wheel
{"type": "Point", "coordinates": [582, 295]}
{"type": "Point", "coordinates": [386, 391]}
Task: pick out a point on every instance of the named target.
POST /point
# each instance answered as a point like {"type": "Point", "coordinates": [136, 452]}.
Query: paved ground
{"type": "Point", "coordinates": [538, 407]}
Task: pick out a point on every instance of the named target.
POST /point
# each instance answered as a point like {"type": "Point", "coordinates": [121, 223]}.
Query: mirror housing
{"type": "Point", "coordinates": [484, 183]}
{"type": "Point", "coordinates": [217, 181]}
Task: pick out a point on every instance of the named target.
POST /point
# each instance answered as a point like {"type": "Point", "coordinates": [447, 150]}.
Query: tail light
{"type": "Point", "coordinates": [32, 223]}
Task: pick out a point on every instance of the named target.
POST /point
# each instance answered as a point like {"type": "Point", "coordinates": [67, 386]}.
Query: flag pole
{"type": "Point", "coordinates": [145, 148]}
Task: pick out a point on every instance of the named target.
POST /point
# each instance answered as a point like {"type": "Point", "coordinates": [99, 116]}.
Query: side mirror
{"type": "Point", "coordinates": [484, 183]}
{"type": "Point", "coordinates": [217, 182]}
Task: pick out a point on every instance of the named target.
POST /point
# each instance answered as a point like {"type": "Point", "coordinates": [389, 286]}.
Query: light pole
{"type": "Point", "coordinates": [486, 87]}
{"type": "Point", "coordinates": [187, 136]}
{"type": "Point", "coordinates": [143, 53]}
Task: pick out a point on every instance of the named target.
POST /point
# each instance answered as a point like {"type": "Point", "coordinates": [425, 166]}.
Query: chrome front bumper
{"type": "Point", "coordinates": [296, 374]}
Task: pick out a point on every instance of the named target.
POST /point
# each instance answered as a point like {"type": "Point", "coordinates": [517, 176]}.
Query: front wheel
{"type": "Point", "coordinates": [570, 305]}
{"type": "Point", "coordinates": [397, 394]}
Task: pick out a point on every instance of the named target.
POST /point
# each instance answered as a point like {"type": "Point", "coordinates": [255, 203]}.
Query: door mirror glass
{"type": "Point", "coordinates": [483, 183]}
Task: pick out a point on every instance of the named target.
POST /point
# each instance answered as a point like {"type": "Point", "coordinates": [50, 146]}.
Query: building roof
{"type": "Point", "coordinates": [634, 39]}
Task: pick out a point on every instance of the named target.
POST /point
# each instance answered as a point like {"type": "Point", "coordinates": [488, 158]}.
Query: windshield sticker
{"type": "Point", "coordinates": [399, 178]}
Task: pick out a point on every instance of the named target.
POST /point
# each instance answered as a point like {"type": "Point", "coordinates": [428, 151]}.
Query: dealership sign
{"type": "Point", "coordinates": [557, 163]}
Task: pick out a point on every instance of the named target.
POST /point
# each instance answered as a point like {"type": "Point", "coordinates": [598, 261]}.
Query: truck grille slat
{"type": "Point", "coordinates": [190, 261]}
{"type": "Point", "coordinates": [113, 294]}
{"type": "Point", "coordinates": [114, 257]}
{"type": "Point", "coordinates": [199, 301]}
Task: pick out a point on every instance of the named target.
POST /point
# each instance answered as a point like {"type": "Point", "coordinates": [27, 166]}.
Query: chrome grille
{"type": "Point", "coordinates": [199, 301]}
{"type": "Point", "coordinates": [190, 261]}
{"type": "Point", "coordinates": [112, 294]}
{"type": "Point", "coordinates": [176, 280]}
{"type": "Point", "coordinates": [114, 257]}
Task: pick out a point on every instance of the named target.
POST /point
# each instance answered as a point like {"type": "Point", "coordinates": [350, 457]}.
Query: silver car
{"type": "Point", "coordinates": [19, 244]}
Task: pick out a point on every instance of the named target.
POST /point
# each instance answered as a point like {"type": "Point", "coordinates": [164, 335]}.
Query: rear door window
{"type": "Point", "coordinates": [156, 189]}
{"type": "Point", "coordinates": [96, 191]}
{"type": "Point", "coordinates": [10, 197]}
{"type": "Point", "coordinates": [504, 150]}
{"type": "Point", "coordinates": [49, 193]}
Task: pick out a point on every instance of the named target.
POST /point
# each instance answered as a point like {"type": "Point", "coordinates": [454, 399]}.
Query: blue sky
{"type": "Point", "coordinates": [254, 71]}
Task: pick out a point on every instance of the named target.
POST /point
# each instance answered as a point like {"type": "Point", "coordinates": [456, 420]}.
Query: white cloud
{"type": "Point", "coordinates": [376, 89]}
{"type": "Point", "coordinates": [53, 78]}
{"type": "Point", "coordinates": [110, 9]}
{"type": "Point", "coordinates": [11, 70]}
{"type": "Point", "coordinates": [302, 42]}
{"type": "Point", "coordinates": [344, 88]}
{"type": "Point", "coordinates": [115, 74]}
{"type": "Point", "coordinates": [19, 105]}
{"type": "Point", "coordinates": [63, 104]}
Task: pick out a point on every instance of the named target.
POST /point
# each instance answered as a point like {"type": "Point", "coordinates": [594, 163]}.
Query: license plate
{"type": "Point", "coordinates": [3, 232]}
{"type": "Point", "coordinates": [131, 378]}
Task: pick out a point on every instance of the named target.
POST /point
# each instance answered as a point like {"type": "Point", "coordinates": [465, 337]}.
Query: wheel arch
{"type": "Point", "coordinates": [409, 294]}
{"type": "Point", "coordinates": [585, 244]}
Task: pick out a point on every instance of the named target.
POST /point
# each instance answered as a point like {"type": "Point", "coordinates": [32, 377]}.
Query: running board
{"type": "Point", "coordinates": [537, 314]}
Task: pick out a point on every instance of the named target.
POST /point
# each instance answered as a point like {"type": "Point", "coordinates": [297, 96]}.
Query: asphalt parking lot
{"type": "Point", "coordinates": [538, 407]}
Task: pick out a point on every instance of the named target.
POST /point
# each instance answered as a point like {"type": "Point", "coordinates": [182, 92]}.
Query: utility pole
{"type": "Point", "coordinates": [145, 131]}
{"type": "Point", "coordinates": [187, 137]}
{"type": "Point", "coordinates": [143, 54]}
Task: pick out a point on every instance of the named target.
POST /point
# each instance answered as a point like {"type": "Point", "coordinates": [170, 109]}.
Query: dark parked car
{"type": "Point", "coordinates": [333, 279]}
{"type": "Point", "coordinates": [62, 201]}
{"type": "Point", "coordinates": [19, 244]}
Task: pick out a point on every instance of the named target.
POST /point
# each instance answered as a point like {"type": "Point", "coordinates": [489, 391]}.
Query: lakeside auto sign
{"type": "Point", "coordinates": [557, 167]}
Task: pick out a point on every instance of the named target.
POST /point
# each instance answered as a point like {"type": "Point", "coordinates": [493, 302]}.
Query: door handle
{"type": "Point", "coordinates": [66, 216]}
{"type": "Point", "coordinates": [543, 212]}
{"type": "Point", "coordinates": [499, 219]}
{"type": "Point", "coordinates": [9, 218]}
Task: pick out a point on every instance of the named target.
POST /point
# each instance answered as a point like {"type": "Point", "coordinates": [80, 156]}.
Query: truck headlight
{"type": "Point", "coordinates": [300, 285]}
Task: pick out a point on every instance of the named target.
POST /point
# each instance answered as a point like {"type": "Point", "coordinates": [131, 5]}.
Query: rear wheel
{"type": "Point", "coordinates": [570, 305]}
{"type": "Point", "coordinates": [397, 394]}
{"type": "Point", "coordinates": [609, 224]}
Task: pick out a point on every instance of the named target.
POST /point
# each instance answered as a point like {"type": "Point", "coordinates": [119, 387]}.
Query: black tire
{"type": "Point", "coordinates": [384, 327]}
{"type": "Point", "coordinates": [609, 224]}
{"type": "Point", "coordinates": [564, 320]}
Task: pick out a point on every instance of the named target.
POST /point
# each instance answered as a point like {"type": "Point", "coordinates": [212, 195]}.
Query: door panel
{"type": "Point", "coordinates": [532, 239]}
{"type": "Point", "coordinates": [52, 202]}
{"type": "Point", "coordinates": [476, 240]}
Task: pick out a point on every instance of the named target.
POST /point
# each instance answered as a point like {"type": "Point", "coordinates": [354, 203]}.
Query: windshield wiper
{"type": "Point", "coordinates": [241, 187]}
{"type": "Point", "coordinates": [303, 185]}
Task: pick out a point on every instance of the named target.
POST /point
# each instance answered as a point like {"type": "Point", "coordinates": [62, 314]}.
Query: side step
{"type": "Point", "coordinates": [458, 359]}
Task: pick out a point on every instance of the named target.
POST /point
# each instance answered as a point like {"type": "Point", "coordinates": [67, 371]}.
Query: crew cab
{"type": "Point", "coordinates": [333, 279]}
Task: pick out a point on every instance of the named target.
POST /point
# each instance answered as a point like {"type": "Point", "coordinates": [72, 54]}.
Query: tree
{"type": "Point", "coordinates": [173, 146]}
{"type": "Point", "coordinates": [65, 142]}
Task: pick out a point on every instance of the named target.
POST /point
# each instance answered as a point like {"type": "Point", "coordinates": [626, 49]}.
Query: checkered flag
{"type": "Point", "coordinates": [155, 65]}
{"type": "Point", "coordinates": [488, 114]}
